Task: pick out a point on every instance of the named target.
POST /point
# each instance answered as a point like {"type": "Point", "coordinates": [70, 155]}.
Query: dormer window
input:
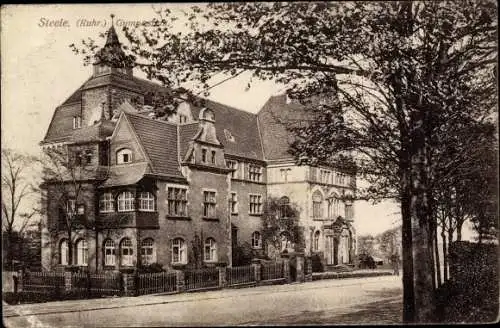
{"type": "Point", "coordinates": [182, 118]}
{"type": "Point", "coordinates": [229, 136]}
{"type": "Point", "coordinates": [213, 157]}
{"type": "Point", "coordinates": [123, 156]}
{"type": "Point", "coordinates": [203, 155]}
{"type": "Point", "coordinates": [77, 122]}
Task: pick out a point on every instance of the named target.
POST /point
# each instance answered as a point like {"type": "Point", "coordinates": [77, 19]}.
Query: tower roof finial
{"type": "Point", "coordinates": [112, 19]}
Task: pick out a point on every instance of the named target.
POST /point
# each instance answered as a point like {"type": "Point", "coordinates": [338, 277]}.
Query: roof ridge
{"type": "Point", "coordinates": [150, 119]}
{"type": "Point", "coordinates": [230, 107]}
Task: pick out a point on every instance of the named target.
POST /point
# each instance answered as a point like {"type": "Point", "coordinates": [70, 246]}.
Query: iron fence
{"type": "Point", "coordinates": [201, 278]}
{"type": "Point", "coordinates": [161, 282]}
{"type": "Point", "coordinates": [272, 271]}
{"type": "Point", "coordinates": [240, 275]}
{"type": "Point", "coordinates": [43, 282]}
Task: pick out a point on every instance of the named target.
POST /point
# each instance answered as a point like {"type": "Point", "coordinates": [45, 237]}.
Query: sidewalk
{"type": "Point", "coordinates": [122, 302]}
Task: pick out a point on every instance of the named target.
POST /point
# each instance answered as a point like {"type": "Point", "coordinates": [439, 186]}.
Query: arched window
{"type": "Point", "coordinates": [317, 199]}
{"type": "Point", "coordinates": [334, 204]}
{"type": "Point", "coordinates": [82, 252]}
{"type": "Point", "coordinates": [106, 203]}
{"type": "Point", "coordinates": [284, 241]}
{"type": "Point", "coordinates": [179, 251]}
{"type": "Point", "coordinates": [125, 201]}
{"type": "Point", "coordinates": [210, 250]}
{"type": "Point", "coordinates": [126, 252]}
{"type": "Point", "coordinates": [256, 240]}
{"type": "Point", "coordinates": [124, 156]}
{"type": "Point", "coordinates": [316, 241]}
{"type": "Point", "coordinates": [63, 252]}
{"type": "Point", "coordinates": [146, 202]}
{"type": "Point", "coordinates": [109, 252]}
{"type": "Point", "coordinates": [148, 251]}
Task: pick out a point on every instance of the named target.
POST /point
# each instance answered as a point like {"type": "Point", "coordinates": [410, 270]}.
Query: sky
{"type": "Point", "coordinates": [39, 71]}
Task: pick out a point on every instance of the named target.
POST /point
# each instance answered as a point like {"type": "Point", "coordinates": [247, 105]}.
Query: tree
{"type": "Point", "coordinates": [280, 225]}
{"type": "Point", "coordinates": [397, 73]}
{"type": "Point", "coordinates": [17, 187]}
{"type": "Point", "coordinates": [365, 245]}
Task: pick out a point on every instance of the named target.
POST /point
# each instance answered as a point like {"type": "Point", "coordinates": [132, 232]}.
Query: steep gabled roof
{"type": "Point", "coordinates": [159, 140]}
{"type": "Point", "coordinates": [237, 130]}
{"type": "Point", "coordinates": [186, 134]}
{"type": "Point", "coordinates": [274, 118]}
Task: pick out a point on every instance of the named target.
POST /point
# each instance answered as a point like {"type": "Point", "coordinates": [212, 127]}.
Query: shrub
{"type": "Point", "coordinates": [151, 268]}
{"type": "Point", "coordinates": [317, 265]}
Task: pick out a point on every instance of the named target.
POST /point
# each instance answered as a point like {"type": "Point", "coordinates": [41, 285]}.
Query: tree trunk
{"type": "Point", "coordinates": [460, 223]}
{"type": "Point", "coordinates": [407, 253]}
{"type": "Point", "coordinates": [436, 255]}
{"type": "Point", "coordinates": [445, 255]}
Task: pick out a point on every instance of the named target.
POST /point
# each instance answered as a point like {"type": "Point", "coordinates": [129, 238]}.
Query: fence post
{"type": "Point", "coordinates": [308, 268]}
{"type": "Point", "coordinates": [256, 270]}
{"type": "Point", "coordinates": [222, 275]}
{"type": "Point", "coordinates": [67, 280]}
{"type": "Point", "coordinates": [286, 268]}
{"type": "Point", "coordinates": [181, 287]}
{"type": "Point", "coordinates": [300, 267]}
{"type": "Point", "coordinates": [128, 284]}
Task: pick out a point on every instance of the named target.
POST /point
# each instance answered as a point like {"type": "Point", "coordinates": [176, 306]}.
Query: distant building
{"type": "Point", "coordinates": [199, 176]}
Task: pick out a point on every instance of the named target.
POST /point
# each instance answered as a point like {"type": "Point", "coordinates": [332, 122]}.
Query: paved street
{"type": "Point", "coordinates": [344, 301]}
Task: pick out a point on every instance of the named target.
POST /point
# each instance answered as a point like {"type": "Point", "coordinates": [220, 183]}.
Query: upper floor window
{"type": "Point", "coordinates": [210, 250]}
{"type": "Point", "coordinates": [182, 118]}
{"type": "Point", "coordinates": [284, 207]}
{"type": "Point", "coordinates": [204, 155]}
{"type": "Point", "coordinates": [63, 252]}
{"type": "Point", "coordinates": [254, 172]}
{"type": "Point", "coordinates": [106, 203]}
{"type": "Point", "coordinates": [77, 122]}
{"type": "Point", "coordinates": [349, 213]}
{"type": "Point", "coordinates": [255, 204]}
{"type": "Point", "coordinates": [179, 255]}
{"type": "Point", "coordinates": [123, 156]}
{"type": "Point", "coordinates": [209, 204]}
{"type": "Point", "coordinates": [233, 203]}
{"type": "Point", "coordinates": [125, 201]}
{"type": "Point", "coordinates": [333, 207]}
{"type": "Point", "coordinates": [177, 201]}
{"type": "Point", "coordinates": [284, 174]}
{"type": "Point", "coordinates": [325, 176]}
{"type": "Point", "coordinates": [316, 241]}
{"type": "Point", "coordinates": [317, 199]}
{"type": "Point", "coordinates": [212, 159]}
{"type": "Point", "coordinates": [232, 165]}
{"type": "Point", "coordinates": [146, 202]}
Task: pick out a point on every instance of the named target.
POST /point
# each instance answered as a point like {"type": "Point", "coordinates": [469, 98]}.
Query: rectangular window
{"type": "Point", "coordinates": [88, 156]}
{"type": "Point", "coordinates": [213, 157]}
{"type": "Point", "coordinates": [146, 202]}
{"type": "Point", "coordinates": [234, 203]}
{"type": "Point", "coordinates": [254, 172]}
{"type": "Point", "coordinates": [106, 203]}
{"type": "Point", "coordinates": [126, 201]}
{"type": "Point", "coordinates": [182, 118]}
{"type": "Point", "coordinates": [77, 122]}
{"type": "Point", "coordinates": [232, 165]}
{"type": "Point", "coordinates": [284, 174]}
{"type": "Point", "coordinates": [255, 204]}
{"type": "Point", "coordinates": [209, 204]}
{"type": "Point", "coordinates": [177, 201]}
{"type": "Point", "coordinates": [203, 155]}
{"type": "Point", "coordinates": [71, 207]}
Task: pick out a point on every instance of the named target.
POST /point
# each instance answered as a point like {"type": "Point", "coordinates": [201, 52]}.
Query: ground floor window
{"type": "Point", "coordinates": [148, 252]}
{"type": "Point", "coordinates": [82, 252]}
{"type": "Point", "coordinates": [109, 252]}
{"type": "Point", "coordinates": [210, 250]}
{"type": "Point", "coordinates": [256, 240]}
{"type": "Point", "coordinates": [63, 252]}
{"type": "Point", "coordinates": [179, 251]}
{"type": "Point", "coordinates": [126, 252]}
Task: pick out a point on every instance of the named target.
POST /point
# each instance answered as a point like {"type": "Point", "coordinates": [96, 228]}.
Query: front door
{"type": "Point", "coordinates": [330, 250]}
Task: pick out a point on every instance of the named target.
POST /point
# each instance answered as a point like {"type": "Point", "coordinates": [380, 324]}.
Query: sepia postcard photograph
{"type": "Point", "coordinates": [249, 163]}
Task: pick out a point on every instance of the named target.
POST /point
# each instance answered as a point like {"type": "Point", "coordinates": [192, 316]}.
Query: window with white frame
{"type": "Point", "coordinates": [316, 241]}
{"type": "Point", "coordinates": [285, 174]}
{"type": "Point", "coordinates": [148, 251]}
{"type": "Point", "coordinates": [177, 201]}
{"type": "Point", "coordinates": [254, 172]}
{"type": "Point", "coordinates": [255, 204]}
{"type": "Point", "coordinates": [125, 201]}
{"type": "Point", "coordinates": [284, 207]}
{"type": "Point", "coordinates": [232, 165]}
{"type": "Point", "coordinates": [77, 122]}
{"type": "Point", "coordinates": [317, 199]}
{"type": "Point", "coordinates": [126, 252]}
{"type": "Point", "coordinates": [179, 255]}
{"type": "Point", "coordinates": [82, 252]}
{"type": "Point", "coordinates": [146, 201]}
{"type": "Point", "coordinates": [333, 207]}
{"type": "Point", "coordinates": [63, 252]}
{"type": "Point", "coordinates": [256, 240]}
{"type": "Point", "coordinates": [106, 203]}
{"type": "Point", "coordinates": [109, 252]}
{"type": "Point", "coordinates": [124, 156]}
{"type": "Point", "coordinates": [209, 203]}
{"type": "Point", "coordinates": [234, 203]}
{"type": "Point", "coordinates": [210, 250]}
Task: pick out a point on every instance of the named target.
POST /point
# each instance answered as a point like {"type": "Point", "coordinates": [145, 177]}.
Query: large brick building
{"type": "Point", "coordinates": [198, 177]}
